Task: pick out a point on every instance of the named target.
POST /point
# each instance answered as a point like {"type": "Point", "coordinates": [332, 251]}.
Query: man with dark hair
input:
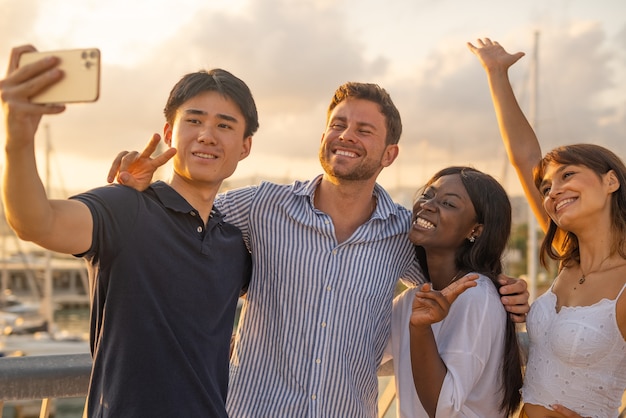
{"type": "Point", "coordinates": [327, 256]}
{"type": "Point", "coordinates": [165, 269]}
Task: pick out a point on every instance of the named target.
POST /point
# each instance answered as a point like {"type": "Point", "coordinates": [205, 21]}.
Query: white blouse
{"type": "Point", "coordinates": [470, 341]}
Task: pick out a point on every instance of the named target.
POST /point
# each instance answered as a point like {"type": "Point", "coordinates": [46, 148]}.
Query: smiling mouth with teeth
{"type": "Point", "coordinates": [563, 203]}
{"type": "Point", "coordinates": [205, 156]}
{"type": "Point", "coordinates": [346, 153]}
{"type": "Point", "coordinates": [424, 223]}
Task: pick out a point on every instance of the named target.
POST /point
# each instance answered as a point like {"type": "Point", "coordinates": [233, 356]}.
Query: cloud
{"type": "Point", "coordinates": [292, 57]}
{"type": "Point", "coordinates": [16, 22]}
{"type": "Point", "coordinates": [449, 107]}
{"type": "Point", "coordinates": [294, 54]}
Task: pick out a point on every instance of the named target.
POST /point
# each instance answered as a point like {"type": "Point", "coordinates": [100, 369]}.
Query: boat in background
{"type": "Point", "coordinates": [43, 344]}
{"type": "Point", "coordinates": [19, 317]}
{"type": "Point", "coordinates": [35, 286]}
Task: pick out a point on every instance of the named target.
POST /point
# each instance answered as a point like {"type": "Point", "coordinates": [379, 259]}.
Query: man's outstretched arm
{"type": "Point", "coordinates": [58, 225]}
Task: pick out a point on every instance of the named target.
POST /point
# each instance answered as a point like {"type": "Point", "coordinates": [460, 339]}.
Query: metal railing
{"type": "Point", "coordinates": [65, 376]}
{"type": "Point", "coordinates": [45, 378]}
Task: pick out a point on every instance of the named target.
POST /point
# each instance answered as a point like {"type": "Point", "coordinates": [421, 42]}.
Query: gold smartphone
{"type": "Point", "coordinates": [81, 80]}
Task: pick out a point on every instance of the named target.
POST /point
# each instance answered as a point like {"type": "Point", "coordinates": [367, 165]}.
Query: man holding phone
{"type": "Point", "coordinates": [165, 269]}
{"type": "Point", "coordinates": [81, 81]}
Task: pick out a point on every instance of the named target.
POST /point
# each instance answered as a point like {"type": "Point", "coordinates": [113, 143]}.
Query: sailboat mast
{"type": "Point", "coordinates": [532, 247]}
{"type": "Point", "coordinates": [48, 305]}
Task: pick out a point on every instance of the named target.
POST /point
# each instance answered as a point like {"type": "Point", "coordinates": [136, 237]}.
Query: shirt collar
{"type": "Point", "coordinates": [171, 199]}
{"type": "Point", "coordinates": [385, 206]}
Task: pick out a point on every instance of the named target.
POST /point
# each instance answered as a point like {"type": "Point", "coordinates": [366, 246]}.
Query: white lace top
{"type": "Point", "coordinates": [577, 357]}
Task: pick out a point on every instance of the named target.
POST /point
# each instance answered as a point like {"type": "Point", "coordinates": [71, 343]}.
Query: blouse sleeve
{"type": "Point", "coordinates": [469, 340]}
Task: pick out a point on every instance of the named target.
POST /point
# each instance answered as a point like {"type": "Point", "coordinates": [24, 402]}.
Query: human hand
{"type": "Point", "coordinates": [454, 289]}
{"type": "Point", "coordinates": [567, 413]}
{"type": "Point", "coordinates": [20, 84]}
{"type": "Point", "coordinates": [431, 306]}
{"type": "Point", "coordinates": [136, 170]}
{"type": "Point", "coordinates": [492, 55]}
{"type": "Point", "coordinates": [515, 297]}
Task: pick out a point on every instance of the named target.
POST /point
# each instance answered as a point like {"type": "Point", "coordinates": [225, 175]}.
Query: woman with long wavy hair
{"type": "Point", "coordinates": [577, 328]}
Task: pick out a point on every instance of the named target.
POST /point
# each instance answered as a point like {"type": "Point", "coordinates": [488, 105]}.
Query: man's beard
{"type": "Point", "coordinates": [365, 171]}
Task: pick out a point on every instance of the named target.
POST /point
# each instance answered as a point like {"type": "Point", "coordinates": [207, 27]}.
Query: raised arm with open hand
{"type": "Point", "coordinates": [519, 139]}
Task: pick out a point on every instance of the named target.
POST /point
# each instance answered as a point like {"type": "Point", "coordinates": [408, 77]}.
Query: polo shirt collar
{"type": "Point", "coordinates": [171, 199]}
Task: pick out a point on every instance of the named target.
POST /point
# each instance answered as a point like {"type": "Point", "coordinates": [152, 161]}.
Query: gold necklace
{"type": "Point", "coordinates": [584, 275]}
{"type": "Point", "coordinates": [456, 276]}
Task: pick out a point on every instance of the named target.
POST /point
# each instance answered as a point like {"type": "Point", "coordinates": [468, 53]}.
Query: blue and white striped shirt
{"type": "Point", "coordinates": [317, 316]}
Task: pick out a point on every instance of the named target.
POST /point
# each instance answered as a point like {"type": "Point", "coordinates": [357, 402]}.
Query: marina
{"type": "Point", "coordinates": [44, 311]}
{"type": "Point", "coordinates": [43, 305]}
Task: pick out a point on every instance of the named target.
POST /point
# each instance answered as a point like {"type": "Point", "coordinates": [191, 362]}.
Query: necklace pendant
{"type": "Point", "coordinates": [581, 280]}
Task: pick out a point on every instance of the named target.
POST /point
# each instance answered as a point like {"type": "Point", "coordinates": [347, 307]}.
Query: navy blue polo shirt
{"type": "Point", "coordinates": [164, 290]}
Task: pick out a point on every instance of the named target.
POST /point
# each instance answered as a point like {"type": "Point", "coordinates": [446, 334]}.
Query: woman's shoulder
{"type": "Point", "coordinates": [485, 286]}
{"type": "Point", "coordinates": [480, 297]}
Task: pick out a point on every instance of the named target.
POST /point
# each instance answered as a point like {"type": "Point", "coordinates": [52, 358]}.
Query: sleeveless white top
{"type": "Point", "coordinates": [577, 357]}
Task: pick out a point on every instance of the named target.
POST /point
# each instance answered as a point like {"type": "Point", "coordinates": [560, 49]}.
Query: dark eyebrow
{"type": "Point", "coordinates": [435, 189]}
{"type": "Point", "coordinates": [223, 116]}
{"type": "Point", "coordinates": [195, 112]}
{"type": "Point", "coordinates": [454, 196]}
{"type": "Point", "coordinates": [369, 125]}
{"type": "Point", "coordinates": [448, 194]}
{"type": "Point", "coordinates": [359, 124]}
{"type": "Point", "coordinates": [339, 118]}
{"type": "Point", "coordinates": [557, 171]}
{"type": "Point", "coordinates": [228, 117]}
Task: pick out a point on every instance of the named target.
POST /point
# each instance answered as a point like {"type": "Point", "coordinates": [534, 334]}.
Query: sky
{"type": "Point", "coordinates": [293, 54]}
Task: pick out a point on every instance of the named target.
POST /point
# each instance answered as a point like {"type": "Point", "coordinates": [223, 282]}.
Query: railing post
{"type": "Point", "coordinates": [45, 408]}
{"type": "Point", "coordinates": [386, 398]}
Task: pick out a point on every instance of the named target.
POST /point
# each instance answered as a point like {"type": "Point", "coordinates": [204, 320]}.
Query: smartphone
{"type": "Point", "coordinates": [81, 80]}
